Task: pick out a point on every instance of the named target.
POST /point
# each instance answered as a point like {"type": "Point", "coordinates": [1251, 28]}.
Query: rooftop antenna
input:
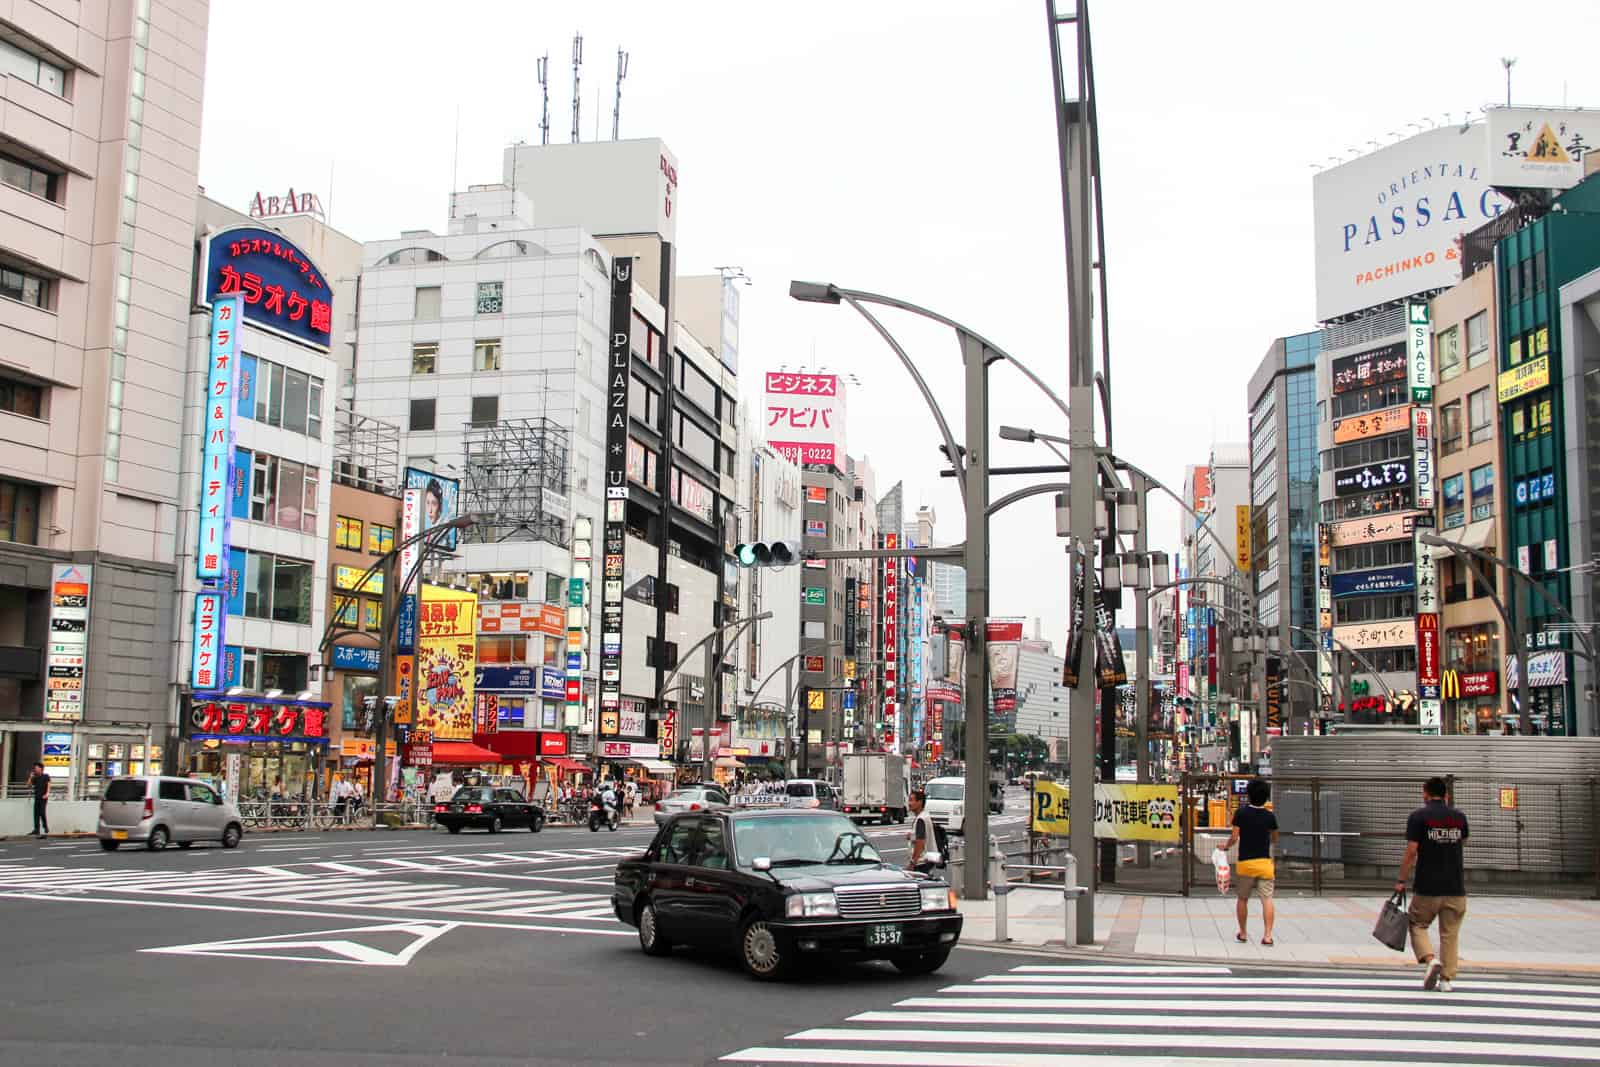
{"type": "Point", "coordinates": [616, 108]}
{"type": "Point", "coordinates": [1508, 62]}
{"type": "Point", "coordinates": [577, 64]}
{"type": "Point", "coordinates": [543, 66]}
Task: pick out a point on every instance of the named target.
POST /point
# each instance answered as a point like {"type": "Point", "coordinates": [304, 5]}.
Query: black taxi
{"type": "Point", "coordinates": [779, 886]}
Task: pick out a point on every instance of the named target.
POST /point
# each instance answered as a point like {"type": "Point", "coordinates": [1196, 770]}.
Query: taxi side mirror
{"type": "Point", "coordinates": [761, 863]}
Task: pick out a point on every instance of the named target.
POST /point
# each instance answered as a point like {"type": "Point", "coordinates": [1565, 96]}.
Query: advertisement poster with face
{"type": "Point", "coordinates": [440, 499]}
{"type": "Point", "coordinates": [1003, 638]}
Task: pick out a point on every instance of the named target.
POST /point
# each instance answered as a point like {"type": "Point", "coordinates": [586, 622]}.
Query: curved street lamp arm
{"type": "Point", "coordinates": [738, 626]}
{"type": "Point", "coordinates": [1200, 520]}
{"type": "Point", "coordinates": [1560, 609]}
{"type": "Point", "coordinates": [1027, 491]}
{"type": "Point", "coordinates": [922, 387]}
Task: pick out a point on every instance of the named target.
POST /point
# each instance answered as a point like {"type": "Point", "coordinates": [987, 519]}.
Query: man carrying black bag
{"type": "Point", "coordinates": [1436, 832]}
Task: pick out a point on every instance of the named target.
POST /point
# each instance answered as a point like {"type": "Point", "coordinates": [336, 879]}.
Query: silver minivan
{"type": "Point", "coordinates": [156, 811]}
{"type": "Point", "coordinates": [811, 793]}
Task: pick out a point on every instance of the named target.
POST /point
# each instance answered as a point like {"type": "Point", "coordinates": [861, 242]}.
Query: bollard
{"type": "Point", "coordinates": [1069, 898]}
{"type": "Point", "coordinates": [997, 883]}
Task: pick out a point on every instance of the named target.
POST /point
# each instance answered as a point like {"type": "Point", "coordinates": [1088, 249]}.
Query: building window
{"type": "Point", "coordinates": [285, 398]}
{"type": "Point", "coordinates": [28, 288]}
{"type": "Point", "coordinates": [1454, 490]}
{"type": "Point", "coordinates": [555, 588]}
{"type": "Point", "coordinates": [486, 355]}
{"type": "Point", "coordinates": [1482, 492]}
{"type": "Point", "coordinates": [261, 669]}
{"type": "Point", "coordinates": [277, 588]}
{"type": "Point", "coordinates": [20, 398]}
{"type": "Point", "coordinates": [19, 512]}
{"type": "Point", "coordinates": [485, 410]}
{"type": "Point", "coordinates": [1472, 648]}
{"type": "Point", "coordinates": [31, 69]}
{"type": "Point", "coordinates": [491, 298]}
{"type": "Point", "coordinates": [347, 533]}
{"type": "Point", "coordinates": [425, 357]}
{"type": "Point", "coordinates": [505, 648]}
{"type": "Point", "coordinates": [30, 179]}
{"type": "Point", "coordinates": [1480, 417]}
{"type": "Point", "coordinates": [1450, 428]}
{"type": "Point", "coordinates": [422, 412]}
{"type": "Point", "coordinates": [428, 303]}
{"type": "Point", "coordinates": [1477, 340]}
{"type": "Point", "coordinates": [284, 493]}
{"type": "Point", "coordinates": [1447, 345]}
{"type": "Point", "coordinates": [511, 585]}
{"type": "Point", "coordinates": [380, 539]}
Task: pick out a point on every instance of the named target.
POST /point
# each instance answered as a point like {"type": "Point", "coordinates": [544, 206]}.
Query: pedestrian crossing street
{"type": "Point", "coordinates": [1158, 1016]}
{"type": "Point", "coordinates": [355, 883]}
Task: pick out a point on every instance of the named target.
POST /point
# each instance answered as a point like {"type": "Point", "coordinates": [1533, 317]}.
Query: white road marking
{"type": "Point", "coordinates": [341, 950]}
{"type": "Point", "coordinates": [1269, 1022]}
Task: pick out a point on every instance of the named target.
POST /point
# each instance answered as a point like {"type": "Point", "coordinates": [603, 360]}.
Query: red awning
{"type": "Point", "coordinates": [458, 752]}
{"type": "Point", "coordinates": [562, 763]}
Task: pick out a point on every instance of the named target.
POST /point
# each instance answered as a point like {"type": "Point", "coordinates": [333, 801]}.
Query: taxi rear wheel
{"type": "Point", "coordinates": [762, 952]}
{"type": "Point", "coordinates": [650, 939]}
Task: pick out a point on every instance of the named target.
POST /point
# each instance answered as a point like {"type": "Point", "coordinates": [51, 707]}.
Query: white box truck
{"type": "Point", "coordinates": [875, 786]}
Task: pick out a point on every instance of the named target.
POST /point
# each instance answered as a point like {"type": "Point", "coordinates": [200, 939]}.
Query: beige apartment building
{"type": "Point", "coordinates": [100, 108]}
{"type": "Point", "coordinates": [1473, 643]}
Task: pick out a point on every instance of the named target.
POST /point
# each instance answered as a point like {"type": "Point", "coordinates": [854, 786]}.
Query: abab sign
{"type": "Point", "coordinates": [283, 291]}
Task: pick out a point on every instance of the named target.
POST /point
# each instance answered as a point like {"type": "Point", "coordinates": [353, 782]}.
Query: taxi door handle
{"type": "Point", "coordinates": [689, 883]}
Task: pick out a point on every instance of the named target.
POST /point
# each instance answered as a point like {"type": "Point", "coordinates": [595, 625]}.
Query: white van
{"type": "Point", "coordinates": [947, 802]}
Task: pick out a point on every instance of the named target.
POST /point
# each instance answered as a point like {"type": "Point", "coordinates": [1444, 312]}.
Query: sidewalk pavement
{"type": "Point", "coordinates": [1500, 933]}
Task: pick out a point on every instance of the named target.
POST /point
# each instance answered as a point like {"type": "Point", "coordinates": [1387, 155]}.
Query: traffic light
{"type": "Point", "coordinates": [776, 554]}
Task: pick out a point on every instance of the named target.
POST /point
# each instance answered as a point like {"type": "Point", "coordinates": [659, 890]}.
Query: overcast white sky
{"type": "Point", "coordinates": [910, 149]}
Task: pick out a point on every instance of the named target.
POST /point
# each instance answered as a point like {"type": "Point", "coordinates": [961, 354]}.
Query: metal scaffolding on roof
{"type": "Point", "coordinates": [516, 477]}
{"type": "Point", "coordinates": [366, 452]}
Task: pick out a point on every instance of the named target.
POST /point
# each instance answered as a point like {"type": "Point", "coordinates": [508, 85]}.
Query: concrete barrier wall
{"type": "Point", "coordinates": [66, 816]}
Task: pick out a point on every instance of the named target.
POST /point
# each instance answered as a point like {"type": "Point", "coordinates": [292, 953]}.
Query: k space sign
{"type": "Point", "coordinates": [1386, 223]}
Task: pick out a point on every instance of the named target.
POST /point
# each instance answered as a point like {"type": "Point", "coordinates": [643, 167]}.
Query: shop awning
{"type": "Point", "coordinates": [564, 764]}
{"type": "Point", "coordinates": [656, 768]}
{"type": "Point", "coordinates": [728, 761]}
{"type": "Point", "coordinates": [1478, 534]}
{"type": "Point", "coordinates": [460, 752]}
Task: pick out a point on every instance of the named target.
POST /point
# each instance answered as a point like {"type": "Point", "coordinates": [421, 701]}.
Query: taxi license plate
{"type": "Point", "coordinates": [883, 934]}
{"type": "Point", "coordinates": [119, 835]}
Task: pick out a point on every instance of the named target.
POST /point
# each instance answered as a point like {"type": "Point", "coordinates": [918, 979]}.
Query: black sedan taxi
{"type": "Point", "coordinates": [780, 886]}
{"type": "Point", "coordinates": [491, 808]}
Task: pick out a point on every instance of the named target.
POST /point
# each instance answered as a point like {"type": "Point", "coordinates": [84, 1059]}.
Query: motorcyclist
{"type": "Point", "coordinates": [603, 800]}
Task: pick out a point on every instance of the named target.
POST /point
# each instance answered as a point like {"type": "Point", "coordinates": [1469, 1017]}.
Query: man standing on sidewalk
{"type": "Point", "coordinates": [39, 783]}
{"type": "Point", "coordinates": [1435, 832]}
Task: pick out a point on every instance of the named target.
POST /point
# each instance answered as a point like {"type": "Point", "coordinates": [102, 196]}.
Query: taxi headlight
{"type": "Point", "coordinates": [938, 898]}
{"type": "Point", "coordinates": [810, 906]}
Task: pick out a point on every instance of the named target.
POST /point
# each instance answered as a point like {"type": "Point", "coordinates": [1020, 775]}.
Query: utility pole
{"type": "Point", "coordinates": [1141, 654]}
{"type": "Point", "coordinates": [974, 359]}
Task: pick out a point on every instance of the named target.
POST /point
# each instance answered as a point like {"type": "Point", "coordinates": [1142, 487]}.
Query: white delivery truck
{"type": "Point", "coordinates": [875, 786]}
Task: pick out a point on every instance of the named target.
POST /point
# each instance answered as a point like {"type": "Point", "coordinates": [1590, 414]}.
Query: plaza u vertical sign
{"type": "Point", "coordinates": [891, 637]}
{"type": "Point", "coordinates": [615, 529]}
{"type": "Point", "coordinates": [216, 482]}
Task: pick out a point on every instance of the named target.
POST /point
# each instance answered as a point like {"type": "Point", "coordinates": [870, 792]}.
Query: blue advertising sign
{"type": "Point", "coordinates": [281, 289]}
{"type": "Point", "coordinates": [1384, 580]}
{"type": "Point", "coordinates": [240, 490]}
{"type": "Point", "coordinates": [352, 658]}
{"type": "Point", "coordinates": [849, 699]}
{"type": "Point", "coordinates": [405, 626]}
{"type": "Point", "coordinates": [233, 664]}
{"type": "Point", "coordinates": [552, 684]}
{"type": "Point", "coordinates": [216, 424]}
{"type": "Point", "coordinates": [439, 499]}
{"type": "Point", "coordinates": [522, 679]}
{"type": "Point", "coordinates": [574, 662]}
{"type": "Point", "coordinates": [246, 386]}
{"type": "Point", "coordinates": [233, 584]}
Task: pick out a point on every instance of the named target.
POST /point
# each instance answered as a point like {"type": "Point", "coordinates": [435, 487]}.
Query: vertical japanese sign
{"type": "Point", "coordinates": [1422, 462]}
{"type": "Point", "coordinates": [615, 529]}
{"type": "Point", "coordinates": [891, 633]}
{"type": "Point", "coordinates": [1074, 658]}
{"type": "Point", "coordinates": [1419, 352]}
{"type": "Point", "coordinates": [446, 662]}
{"type": "Point", "coordinates": [577, 620]}
{"type": "Point", "coordinates": [211, 550]}
{"type": "Point", "coordinates": [1002, 640]}
{"type": "Point", "coordinates": [1325, 607]}
{"type": "Point", "coordinates": [1274, 696]}
{"type": "Point", "coordinates": [1241, 538]}
{"type": "Point", "coordinates": [410, 526]}
{"type": "Point", "coordinates": [206, 667]}
{"type": "Point", "coordinates": [1429, 675]}
{"type": "Point", "coordinates": [67, 660]}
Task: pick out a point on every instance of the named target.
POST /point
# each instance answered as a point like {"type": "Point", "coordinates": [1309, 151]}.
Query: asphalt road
{"type": "Point", "coordinates": [402, 947]}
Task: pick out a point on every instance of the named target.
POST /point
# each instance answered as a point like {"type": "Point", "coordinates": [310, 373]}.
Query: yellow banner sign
{"type": "Point", "coordinates": [1123, 812]}
{"type": "Point", "coordinates": [1524, 378]}
{"type": "Point", "coordinates": [1373, 424]}
{"type": "Point", "coordinates": [1241, 536]}
{"type": "Point", "coordinates": [446, 662]}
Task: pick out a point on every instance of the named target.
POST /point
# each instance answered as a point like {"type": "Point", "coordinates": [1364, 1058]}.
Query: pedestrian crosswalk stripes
{"type": "Point", "coordinates": [1073, 1015]}
{"type": "Point", "coordinates": [343, 886]}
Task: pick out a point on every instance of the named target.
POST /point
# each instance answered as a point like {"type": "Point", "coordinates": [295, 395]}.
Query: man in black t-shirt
{"type": "Point", "coordinates": [1435, 834]}
{"type": "Point", "coordinates": [1255, 831]}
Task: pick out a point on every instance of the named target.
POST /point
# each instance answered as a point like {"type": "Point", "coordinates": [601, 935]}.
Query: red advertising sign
{"type": "Point", "coordinates": [552, 744]}
{"type": "Point", "coordinates": [252, 720]}
{"type": "Point", "coordinates": [1428, 649]}
{"type": "Point", "coordinates": [814, 664]}
{"type": "Point", "coordinates": [891, 632]}
{"type": "Point", "coordinates": [667, 732]}
{"type": "Point", "coordinates": [1480, 684]}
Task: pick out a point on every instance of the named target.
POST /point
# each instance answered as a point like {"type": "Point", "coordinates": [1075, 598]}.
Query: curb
{"type": "Point", "coordinates": [1503, 970]}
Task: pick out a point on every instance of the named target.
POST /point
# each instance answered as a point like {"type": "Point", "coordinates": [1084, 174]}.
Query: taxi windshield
{"type": "Point", "coordinates": [802, 840]}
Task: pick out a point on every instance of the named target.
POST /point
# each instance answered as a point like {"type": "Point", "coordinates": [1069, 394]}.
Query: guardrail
{"type": "Point", "coordinates": [1001, 886]}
